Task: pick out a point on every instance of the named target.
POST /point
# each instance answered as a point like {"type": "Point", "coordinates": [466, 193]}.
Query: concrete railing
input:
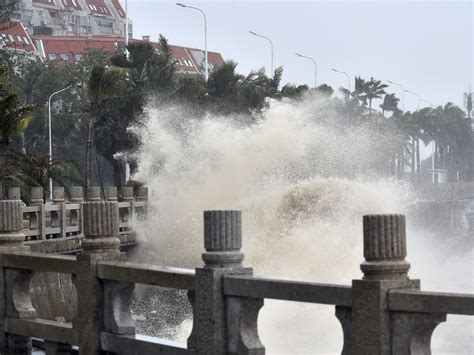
{"type": "Point", "coordinates": [383, 313]}
{"type": "Point", "coordinates": [446, 192]}
{"type": "Point", "coordinates": [58, 226]}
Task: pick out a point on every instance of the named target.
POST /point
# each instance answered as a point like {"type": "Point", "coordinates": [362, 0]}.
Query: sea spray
{"type": "Point", "coordinates": [303, 177]}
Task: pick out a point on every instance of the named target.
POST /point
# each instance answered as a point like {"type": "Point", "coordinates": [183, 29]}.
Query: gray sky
{"type": "Point", "coordinates": [426, 46]}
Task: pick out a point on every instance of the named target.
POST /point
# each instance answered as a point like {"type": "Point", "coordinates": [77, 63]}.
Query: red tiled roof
{"type": "Point", "coordinates": [118, 7]}
{"type": "Point", "coordinates": [187, 63]}
{"type": "Point", "coordinates": [72, 4]}
{"type": "Point", "coordinates": [65, 49]}
{"type": "Point", "coordinates": [98, 7]}
{"type": "Point", "coordinates": [14, 36]}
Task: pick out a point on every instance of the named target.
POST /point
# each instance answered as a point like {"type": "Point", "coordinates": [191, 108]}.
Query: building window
{"type": "Point", "coordinates": [11, 38]}
{"type": "Point", "coordinates": [52, 56]}
{"type": "Point", "coordinates": [78, 57]}
{"type": "Point", "coordinates": [64, 56]}
{"type": "Point", "coordinates": [25, 39]}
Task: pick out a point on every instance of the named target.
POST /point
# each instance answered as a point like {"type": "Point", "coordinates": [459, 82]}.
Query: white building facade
{"type": "Point", "coordinates": [72, 17]}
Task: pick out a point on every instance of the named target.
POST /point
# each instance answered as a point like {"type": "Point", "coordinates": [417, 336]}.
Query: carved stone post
{"type": "Point", "coordinates": [14, 284]}
{"type": "Point", "coordinates": [100, 243]}
{"type": "Point", "coordinates": [40, 218]}
{"type": "Point", "coordinates": [58, 199]}
{"type": "Point", "coordinates": [223, 326]}
{"type": "Point", "coordinates": [385, 268]}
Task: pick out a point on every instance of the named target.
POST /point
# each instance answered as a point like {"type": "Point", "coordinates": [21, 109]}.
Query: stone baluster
{"type": "Point", "coordinates": [14, 283]}
{"type": "Point", "coordinates": [127, 196]}
{"type": "Point", "coordinates": [223, 326]}
{"type": "Point", "coordinates": [100, 243]}
{"type": "Point", "coordinates": [374, 329]}
{"type": "Point", "coordinates": [58, 199]}
{"type": "Point", "coordinates": [127, 214]}
{"type": "Point", "coordinates": [77, 197]}
{"type": "Point", "coordinates": [142, 197]}
{"type": "Point", "coordinates": [40, 217]}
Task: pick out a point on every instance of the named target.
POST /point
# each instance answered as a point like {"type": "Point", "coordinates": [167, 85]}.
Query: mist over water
{"type": "Point", "coordinates": [302, 177]}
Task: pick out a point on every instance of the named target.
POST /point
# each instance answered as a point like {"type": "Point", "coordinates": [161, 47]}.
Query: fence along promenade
{"type": "Point", "coordinates": [58, 226]}
{"type": "Point", "coordinates": [384, 312]}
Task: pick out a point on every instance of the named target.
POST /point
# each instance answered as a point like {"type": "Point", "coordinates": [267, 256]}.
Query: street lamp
{"type": "Point", "coordinates": [418, 96]}
{"type": "Point", "coordinates": [50, 140]}
{"type": "Point", "coordinates": [205, 35]}
{"type": "Point", "coordinates": [271, 46]}
{"type": "Point", "coordinates": [403, 93]}
{"type": "Point", "coordinates": [315, 67]}
{"type": "Point", "coordinates": [348, 77]}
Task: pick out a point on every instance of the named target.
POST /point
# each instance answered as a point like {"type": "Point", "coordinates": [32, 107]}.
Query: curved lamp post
{"type": "Point", "coordinates": [403, 92]}
{"type": "Point", "coordinates": [205, 35]}
{"type": "Point", "coordinates": [315, 67]}
{"type": "Point", "coordinates": [271, 47]}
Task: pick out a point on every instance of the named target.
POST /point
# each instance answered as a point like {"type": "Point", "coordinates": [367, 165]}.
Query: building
{"type": "Point", "coordinates": [64, 49]}
{"type": "Point", "coordinates": [15, 39]}
{"type": "Point", "coordinates": [72, 17]}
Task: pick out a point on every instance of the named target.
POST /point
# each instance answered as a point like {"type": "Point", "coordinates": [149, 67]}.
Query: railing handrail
{"type": "Point", "coordinates": [288, 290]}
{"type": "Point", "coordinates": [65, 264]}
{"type": "Point", "coordinates": [431, 302]}
{"type": "Point", "coordinates": [163, 276]}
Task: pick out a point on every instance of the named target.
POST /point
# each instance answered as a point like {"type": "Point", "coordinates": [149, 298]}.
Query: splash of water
{"type": "Point", "coordinates": [297, 176]}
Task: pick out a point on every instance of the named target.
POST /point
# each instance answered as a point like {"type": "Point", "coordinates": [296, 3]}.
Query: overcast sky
{"type": "Point", "coordinates": [426, 46]}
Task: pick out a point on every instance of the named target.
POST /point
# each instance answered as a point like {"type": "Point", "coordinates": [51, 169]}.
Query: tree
{"type": "Point", "coordinates": [325, 90]}
{"type": "Point", "coordinates": [104, 84]}
{"type": "Point", "coordinates": [372, 89]}
{"type": "Point", "coordinates": [6, 9]}
{"type": "Point", "coordinates": [14, 118]}
{"type": "Point", "coordinates": [390, 103]}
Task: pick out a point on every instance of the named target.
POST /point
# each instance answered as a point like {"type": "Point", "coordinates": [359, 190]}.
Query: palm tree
{"type": "Point", "coordinates": [390, 103]}
{"type": "Point", "coordinates": [14, 118]}
{"type": "Point", "coordinates": [373, 89]}
{"type": "Point", "coordinates": [104, 83]}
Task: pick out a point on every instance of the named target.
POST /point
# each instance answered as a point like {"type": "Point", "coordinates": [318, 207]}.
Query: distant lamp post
{"type": "Point", "coordinates": [418, 96]}
{"type": "Point", "coordinates": [403, 93]}
{"type": "Point", "coordinates": [315, 67]}
{"type": "Point", "coordinates": [205, 35]}
{"type": "Point", "coordinates": [348, 79]}
{"type": "Point", "coordinates": [50, 138]}
{"type": "Point", "coordinates": [271, 47]}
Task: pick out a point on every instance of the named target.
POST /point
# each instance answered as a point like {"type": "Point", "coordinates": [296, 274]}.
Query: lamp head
{"type": "Point", "coordinates": [179, 4]}
{"type": "Point", "coordinates": [299, 55]}
{"type": "Point", "coordinates": [252, 32]}
{"type": "Point", "coordinates": [334, 69]}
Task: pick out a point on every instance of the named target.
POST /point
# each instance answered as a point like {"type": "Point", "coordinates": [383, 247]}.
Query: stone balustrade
{"type": "Point", "coordinates": [58, 226]}
{"type": "Point", "coordinates": [384, 312]}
